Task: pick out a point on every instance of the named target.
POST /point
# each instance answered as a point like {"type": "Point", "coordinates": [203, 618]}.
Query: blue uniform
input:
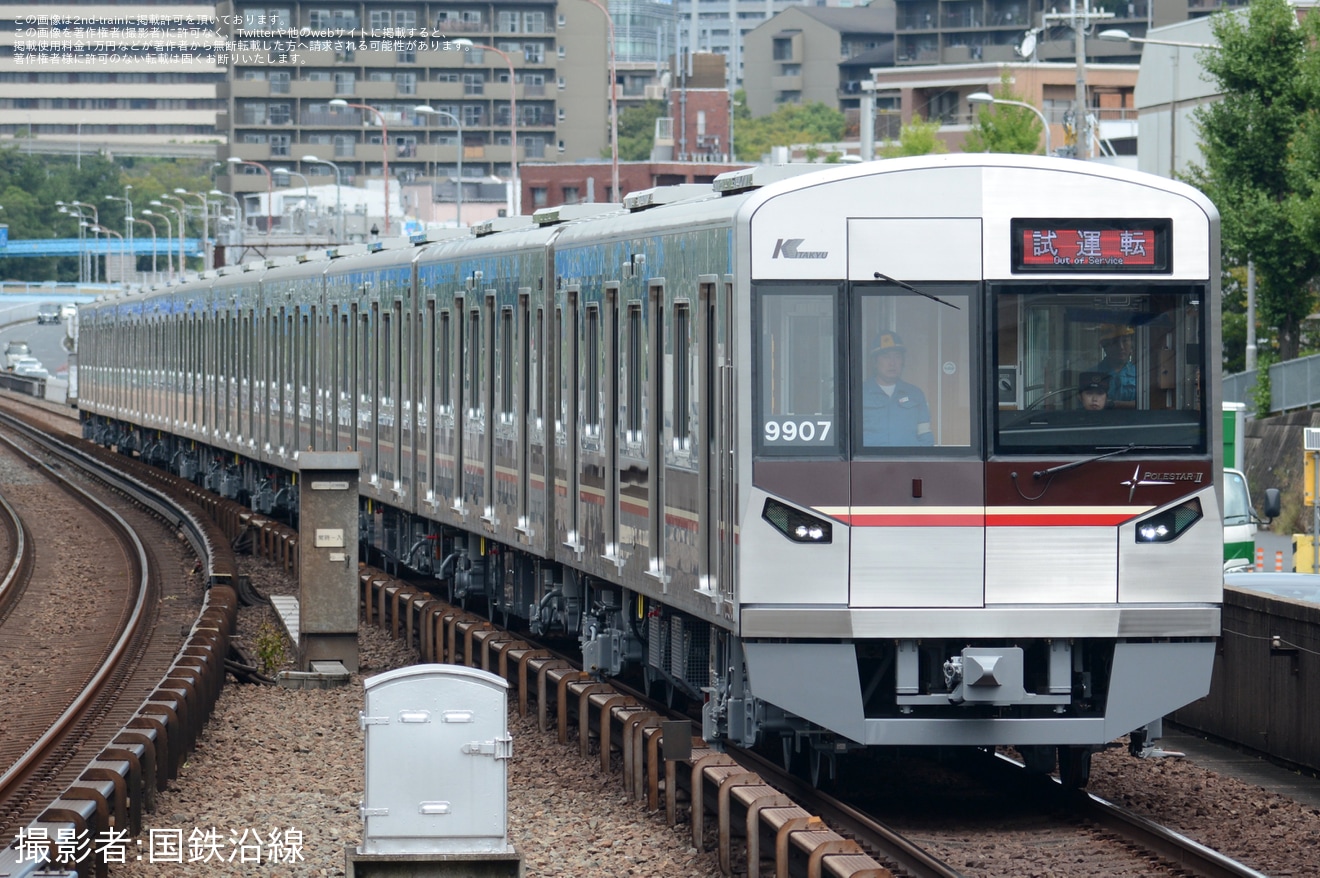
{"type": "Point", "coordinates": [901, 419]}
{"type": "Point", "coordinates": [1122, 379]}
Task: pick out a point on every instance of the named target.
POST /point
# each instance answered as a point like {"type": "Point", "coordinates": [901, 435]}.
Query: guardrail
{"type": "Point", "coordinates": [1293, 385]}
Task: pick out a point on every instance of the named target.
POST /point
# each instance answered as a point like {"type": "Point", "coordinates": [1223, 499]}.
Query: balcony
{"type": "Point", "coordinates": [249, 88]}
{"type": "Point", "coordinates": [375, 91]}
{"type": "Point", "coordinates": [439, 92]}
{"type": "Point", "coordinates": [312, 90]}
{"type": "Point", "coordinates": [786, 83]}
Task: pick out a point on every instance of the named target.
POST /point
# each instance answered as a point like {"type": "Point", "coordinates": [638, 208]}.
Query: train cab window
{"type": "Point", "coordinates": [912, 362]}
{"type": "Point", "coordinates": [797, 359]}
{"type": "Point", "coordinates": [1081, 368]}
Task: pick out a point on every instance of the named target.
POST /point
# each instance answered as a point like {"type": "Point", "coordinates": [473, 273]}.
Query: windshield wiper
{"type": "Point", "coordinates": [910, 288]}
{"type": "Point", "coordinates": [1042, 473]}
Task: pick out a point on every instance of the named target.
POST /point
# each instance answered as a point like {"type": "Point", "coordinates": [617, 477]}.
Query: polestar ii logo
{"type": "Point", "coordinates": [788, 248]}
{"type": "Point", "coordinates": [1137, 481]}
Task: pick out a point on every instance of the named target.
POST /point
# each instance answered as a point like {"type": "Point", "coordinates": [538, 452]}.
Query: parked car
{"type": "Point", "coordinates": [48, 312]}
{"type": "Point", "coordinates": [14, 350]}
{"type": "Point", "coordinates": [30, 367]}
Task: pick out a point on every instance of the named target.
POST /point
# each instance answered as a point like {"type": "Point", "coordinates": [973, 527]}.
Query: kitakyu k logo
{"type": "Point", "coordinates": [788, 248]}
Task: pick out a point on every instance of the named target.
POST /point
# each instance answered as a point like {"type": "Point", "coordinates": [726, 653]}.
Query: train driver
{"type": "Point", "coordinates": [1117, 363]}
{"type": "Point", "coordinates": [894, 412]}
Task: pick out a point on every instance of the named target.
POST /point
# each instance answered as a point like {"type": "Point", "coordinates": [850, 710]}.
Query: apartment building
{"type": "Point", "coordinates": [809, 53]}
{"type": "Point", "coordinates": [127, 77]}
{"type": "Point", "coordinates": [342, 82]}
{"type": "Point", "coordinates": [940, 93]}
{"type": "Point", "coordinates": [967, 31]}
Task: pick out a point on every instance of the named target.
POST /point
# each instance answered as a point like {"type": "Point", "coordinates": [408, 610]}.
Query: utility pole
{"type": "Point", "coordinates": [1079, 20]}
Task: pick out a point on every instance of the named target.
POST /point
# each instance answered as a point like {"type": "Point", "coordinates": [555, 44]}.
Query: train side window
{"type": "Point", "coordinates": [633, 397]}
{"type": "Point", "coordinates": [796, 359]}
{"type": "Point", "coordinates": [534, 367]}
{"type": "Point", "coordinates": [591, 366]}
{"type": "Point", "coordinates": [506, 362]}
{"type": "Point", "coordinates": [474, 377]}
{"type": "Point", "coordinates": [444, 372]}
{"type": "Point", "coordinates": [682, 351]}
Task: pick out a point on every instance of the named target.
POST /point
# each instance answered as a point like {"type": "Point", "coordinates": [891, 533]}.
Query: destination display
{"type": "Point", "coordinates": [1091, 245]}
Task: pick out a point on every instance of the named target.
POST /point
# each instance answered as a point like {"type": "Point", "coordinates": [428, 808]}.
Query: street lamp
{"type": "Point", "coordinates": [169, 263]}
{"type": "Point", "coordinates": [128, 222]}
{"type": "Point", "coordinates": [270, 186]}
{"type": "Point", "coordinates": [614, 106]}
{"type": "Point", "coordinates": [458, 199]}
{"type": "Point", "coordinates": [206, 225]}
{"type": "Point", "coordinates": [1119, 35]}
{"type": "Point", "coordinates": [91, 273]}
{"type": "Point", "coordinates": [984, 97]}
{"type": "Point", "coordinates": [182, 211]}
{"type": "Point", "coordinates": [105, 231]}
{"type": "Point", "coordinates": [182, 274]}
{"type": "Point", "coordinates": [78, 215]}
{"type": "Point", "coordinates": [307, 193]}
{"type": "Point", "coordinates": [131, 220]}
{"type": "Point", "coordinates": [513, 120]}
{"type": "Point", "coordinates": [385, 156]}
{"type": "Point", "coordinates": [238, 206]}
{"type": "Point", "coordinates": [94, 228]}
{"type": "Point", "coordinates": [339, 201]}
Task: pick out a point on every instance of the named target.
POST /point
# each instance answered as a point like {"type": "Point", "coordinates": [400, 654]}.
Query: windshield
{"type": "Point", "coordinates": [1237, 503]}
{"type": "Point", "coordinates": [1082, 368]}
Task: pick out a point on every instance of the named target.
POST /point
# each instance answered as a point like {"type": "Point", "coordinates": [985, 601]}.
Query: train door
{"type": "Point", "coordinates": [489, 400]}
{"type": "Point", "coordinates": [610, 433]}
{"type": "Point", "coordinates": [472, 472]}
{"type": "Point", "coordinates": [407, 388]}
{"type": "Point", "coordinates": [450, 439]}
{"type": "Point", "coordinates": [566, 426]}
{"type": "Point", "coordinates": [714, 438]}
{"type": "Point", "coordinates": [538, 372]}
{"type": "Point", "coordinates": [655, 432]}
{"type": "Point", "coordinates": [917, 489]}
{"type": "Point", "coordinates": [427, 346]}
{"type": "Point", "coordinates": [522, 401]}
{"type": "Point", "coordinates": [368, 324]}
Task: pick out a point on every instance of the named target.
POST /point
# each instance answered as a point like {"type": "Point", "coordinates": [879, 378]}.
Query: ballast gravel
{"type": "Point", "coordinates": [279, 770]}
{"type": "Point", "coordinates": [286, 766]}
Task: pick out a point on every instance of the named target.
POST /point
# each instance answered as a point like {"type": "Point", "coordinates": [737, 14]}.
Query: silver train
{"type": "Point", "coordinates": [817, 447]}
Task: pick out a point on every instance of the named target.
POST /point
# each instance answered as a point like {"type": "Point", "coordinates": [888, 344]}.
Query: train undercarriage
{"type": "Point", "coordinates": [682, 659]}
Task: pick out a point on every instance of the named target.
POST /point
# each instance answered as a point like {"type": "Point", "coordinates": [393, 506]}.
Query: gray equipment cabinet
{"type": "Point", "coordinates": [437, 750]}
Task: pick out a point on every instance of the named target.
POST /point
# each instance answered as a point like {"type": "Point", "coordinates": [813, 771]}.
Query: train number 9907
{"type": "Point", "coordinates": [798, 432]}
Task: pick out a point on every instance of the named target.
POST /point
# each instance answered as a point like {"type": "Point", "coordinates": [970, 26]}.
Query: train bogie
{"type": "Point", "coordinates": [819, 450]}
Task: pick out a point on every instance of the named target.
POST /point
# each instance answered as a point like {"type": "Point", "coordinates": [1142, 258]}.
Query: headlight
{"type": "Point", "coordinates": [798, 526]}
{"type": "Point", "coordinates": [1167, 526]}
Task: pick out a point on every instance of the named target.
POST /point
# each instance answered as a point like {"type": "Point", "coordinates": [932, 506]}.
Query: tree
{"type": "Point", "coordinates": [1002, 127]}
{"type": "Point", "coordinates": [1261, 145]}
{"type": "Point", "coordinates": [30, 184]}
{"type": "Point", "coordinates": [790, 124]}
{"type": "Point", "coordinates": [637, 131]}
{"type": "Point", "coordinates": [918, 137]}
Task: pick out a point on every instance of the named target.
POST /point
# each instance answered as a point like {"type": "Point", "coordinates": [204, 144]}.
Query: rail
{"type": "Point", "coordinates": [118, 786]}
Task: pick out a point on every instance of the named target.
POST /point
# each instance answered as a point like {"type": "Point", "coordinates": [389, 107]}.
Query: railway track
{"type": "Point", "coordinates": [106, 674]}
{"type": "Point", "coordinates": [755, 811]}
{"type": "Point", "coordinates": [72, 672]}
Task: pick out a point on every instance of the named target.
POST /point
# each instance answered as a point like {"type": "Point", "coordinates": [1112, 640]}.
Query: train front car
{"type": "Point", "coordinates": [982, 503]}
